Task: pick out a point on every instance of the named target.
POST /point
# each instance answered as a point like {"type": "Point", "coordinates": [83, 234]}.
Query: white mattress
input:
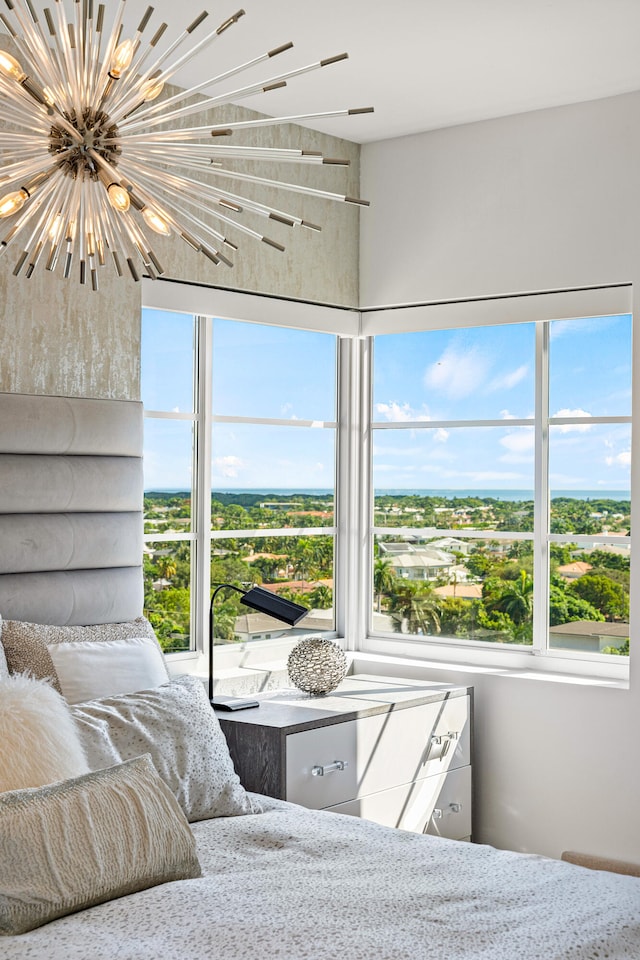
{"type": "Point", "coordinates": [294, 884]}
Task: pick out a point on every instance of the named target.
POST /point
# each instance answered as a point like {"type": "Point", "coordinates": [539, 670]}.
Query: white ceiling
{"type": "Point", "coordinates": [423, 64]}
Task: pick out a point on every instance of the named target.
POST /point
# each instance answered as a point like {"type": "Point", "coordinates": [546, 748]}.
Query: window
{"type": "Point", "coordinates": [168, 389]}
{"type": "Point", "coordinates": [442, 481]}
{"type": "Point", "coordinates": [273, 473]}
{"type": "Point", "coordinates": [240, 466]}
{"type": "Point", "coordinates": [501, 485]}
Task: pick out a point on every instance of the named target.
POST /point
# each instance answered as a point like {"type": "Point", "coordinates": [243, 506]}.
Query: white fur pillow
{"type": "Point", "coordinates": [4, 669]}
{"type": "Point", "coordinates": [39, 742]}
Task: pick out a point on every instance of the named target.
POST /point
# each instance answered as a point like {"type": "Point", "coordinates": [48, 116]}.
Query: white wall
{"type": "Point", "coordinates": [539, 201]}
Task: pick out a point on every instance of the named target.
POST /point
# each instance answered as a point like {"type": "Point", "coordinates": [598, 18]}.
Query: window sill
{"type": "Point", "coordinates": [517, 664]}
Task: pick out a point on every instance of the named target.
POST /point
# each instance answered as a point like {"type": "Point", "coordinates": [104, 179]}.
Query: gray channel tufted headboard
{"type": "Point", "coordinates": [71, 497]}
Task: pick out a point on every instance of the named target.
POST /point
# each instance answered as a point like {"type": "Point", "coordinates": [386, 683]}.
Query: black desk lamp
{"type": "Point", "coordinates": [264, 602]}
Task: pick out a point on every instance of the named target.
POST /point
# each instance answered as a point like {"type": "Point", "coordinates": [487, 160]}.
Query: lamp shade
{"type": "Point", "coordinates": [270, 603]}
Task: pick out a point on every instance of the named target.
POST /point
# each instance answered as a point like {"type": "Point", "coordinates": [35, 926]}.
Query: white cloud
{"type": "Point", "coordinates": [458, 373]}
{"type": "Point", "coordinates": [228, 466]}
{"type": "Point", "coordinates": [508, 380]}
{"type": "Point", "coordinates": [441, 435]}
{"type": "Point", "coordinates": [581, 326]}
{"type": "Point", "coordinates": [571, 427]}
{"type": "Point", "coordinates": [395, 412]}
{"type": "Point", "coordinates": [520, 441]}
{"type": "Point", "coordinates": [519, 445]}
{"type": "Point", "coordinates": [620, 460]}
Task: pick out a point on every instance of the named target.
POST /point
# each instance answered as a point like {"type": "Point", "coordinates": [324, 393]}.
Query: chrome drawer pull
{"type": "Point", "coordinates": [444, 740]}
{"type": "Point", "coordinates": [438, 814]}
{"type": "Point", "coordinates": [336, 765]}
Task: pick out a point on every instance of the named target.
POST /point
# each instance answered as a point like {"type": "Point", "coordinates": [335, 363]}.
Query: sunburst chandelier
{"type": "Point", "coordinates": [93, 166]}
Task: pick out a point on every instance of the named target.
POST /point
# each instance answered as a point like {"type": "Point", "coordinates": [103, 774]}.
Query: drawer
{"type": "Point", "coordinates": [377, 753]}
{"type": "Point", "coordinates": [439, 805]}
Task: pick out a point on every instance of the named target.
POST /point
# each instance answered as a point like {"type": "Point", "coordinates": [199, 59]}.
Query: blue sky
{"type": "Point", "coordinates": [488, 373]}
{"type": "Point", "coordinates": [467, 374]}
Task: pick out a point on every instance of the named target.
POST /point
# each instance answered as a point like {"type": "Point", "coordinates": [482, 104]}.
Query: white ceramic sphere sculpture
{"type": "Point", "coordinates": [316, 665]}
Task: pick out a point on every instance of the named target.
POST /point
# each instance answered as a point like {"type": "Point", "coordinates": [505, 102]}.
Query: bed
{"type": "Point", "coordinates": [136, 840]}
{"type": "Point", "coordinates": [302, 885]}
{"type": "Point", "coordinates": [264, 878]}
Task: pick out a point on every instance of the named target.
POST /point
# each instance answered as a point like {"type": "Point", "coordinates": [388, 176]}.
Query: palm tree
{"type": "Point", "coordinates": [166, 567]}
{"type": "Point", "coordinates": [267, 567]}
{"type": "Point", "coordinates": [303, 558]}
{"type": "Point", "coordinates": [415, 608]}
{"type": "Point", "coordinates": [384, 578]}
{"type": "Point", "coordinates": [321, 597]}
{"type": "Point", "coordinates": [516, 598]}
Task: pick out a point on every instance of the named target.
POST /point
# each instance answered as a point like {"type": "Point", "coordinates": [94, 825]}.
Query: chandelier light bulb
{"type": "Point", "coordinates": [151, 89]}
{"type": "Point", "coordinates": [155, 222]}
{"type": "Point", "coordinates": [121, 59]}
{"type": "Point", "coordinates": [93, 137]}
{"type": "Point", "coordinates": [12, 202]}
{"type": "Point", "coordinates": [56, 228]}
{"type": "Point", "coordinates": [10, 67]}
{"type": "Point", "coordinates": [118, 197]}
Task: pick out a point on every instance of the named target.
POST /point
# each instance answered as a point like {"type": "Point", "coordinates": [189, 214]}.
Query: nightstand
{"type": "Point", "coordinates": [394, 751]}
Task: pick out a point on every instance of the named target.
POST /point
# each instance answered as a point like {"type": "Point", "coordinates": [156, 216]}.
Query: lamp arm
{"type": "Point", "coordinates": [221, 586]}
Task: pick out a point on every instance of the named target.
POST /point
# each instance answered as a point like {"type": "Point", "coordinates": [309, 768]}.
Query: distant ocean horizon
{"type": "Point", "coordinates": [510, 495]}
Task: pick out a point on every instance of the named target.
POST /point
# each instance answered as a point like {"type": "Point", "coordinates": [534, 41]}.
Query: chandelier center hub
{"type": "Point", "coordinates": [74, 142]}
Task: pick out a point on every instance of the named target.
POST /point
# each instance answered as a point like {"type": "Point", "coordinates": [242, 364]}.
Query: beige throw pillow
{"type": "Point", "coordinates": [99, 660]}
{"type": "Point", "coordinates": [70, 845]}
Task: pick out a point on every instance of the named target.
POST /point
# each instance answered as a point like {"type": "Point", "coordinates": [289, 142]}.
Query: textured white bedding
{"type": "Point", "coordinates": [294, 884]}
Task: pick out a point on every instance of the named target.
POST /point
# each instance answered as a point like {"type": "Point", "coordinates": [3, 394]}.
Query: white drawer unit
{"type": "Point", "coordinates": [332, 764]}
{"type": "Point", "coordinates": [394, 751]}
{"type": "Point", "coordinates": [440, 805]}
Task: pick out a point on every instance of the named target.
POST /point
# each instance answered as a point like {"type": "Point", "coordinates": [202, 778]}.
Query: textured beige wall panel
{"type": "Point", "coordinates": [58, 338]}
{"type": "Point", "coordinates": [320, 267]}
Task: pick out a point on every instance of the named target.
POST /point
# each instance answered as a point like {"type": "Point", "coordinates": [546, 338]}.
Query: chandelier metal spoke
{"type": "Point", "coordinates": [94, 158]}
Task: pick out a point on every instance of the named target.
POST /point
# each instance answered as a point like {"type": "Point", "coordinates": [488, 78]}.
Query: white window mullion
{"type": "Point", "coordinates": [541, 496]}
{"type": "Point", "coordinates": [201, 569]}
{"type": "Point", "coordinates": [365, 490]}
{"type": "Point", "coordinates": [348, 603]}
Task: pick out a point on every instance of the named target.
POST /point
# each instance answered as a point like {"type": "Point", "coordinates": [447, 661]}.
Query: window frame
{"type": "Point", "coordinates": [189, 300]}
{"type": "Point", "coordinates": [542, 309]}
{"type": "Point", "coordinates": [355, 330]}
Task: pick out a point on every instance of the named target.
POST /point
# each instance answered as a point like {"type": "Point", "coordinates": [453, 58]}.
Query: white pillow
{"type": "Point", "coordinates": [27, 645]}
{"type": "Point", "coordinates": [175, 725]}
{"type": "Point", "coordinates": [87, 669]}
{"type": "Point", "coordinates": [39, 742]}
